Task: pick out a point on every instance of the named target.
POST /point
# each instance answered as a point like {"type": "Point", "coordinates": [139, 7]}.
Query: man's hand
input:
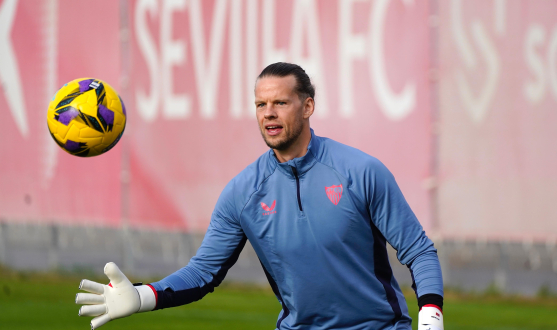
{"type": "Point", "coordinates": [117, 299]}
{"type": "Point", "coordinates": [430, 317]}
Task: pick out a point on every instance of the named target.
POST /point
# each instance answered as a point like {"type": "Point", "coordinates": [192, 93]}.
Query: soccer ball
{"type": "Point", "coordinates": [86, 117]}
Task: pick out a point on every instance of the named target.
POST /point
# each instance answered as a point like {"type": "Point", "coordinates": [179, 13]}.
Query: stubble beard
{"type": "Point", "coordinates": [290, 136]}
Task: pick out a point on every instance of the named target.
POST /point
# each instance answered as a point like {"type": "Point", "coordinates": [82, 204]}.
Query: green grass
{"type": "Point", "coordinates": [47, 302]}
{"type": "Point", "coordinates": [499, 312]}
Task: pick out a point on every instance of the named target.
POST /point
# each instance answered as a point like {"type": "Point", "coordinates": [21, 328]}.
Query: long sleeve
{"type": "Point", "coordinates": [392, 215]}
{"type": "Point", "coordinates": [219, 251]}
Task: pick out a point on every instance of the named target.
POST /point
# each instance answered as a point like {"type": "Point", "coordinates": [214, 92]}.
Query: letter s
{"type": "Point", "coordinates": [147, 104]}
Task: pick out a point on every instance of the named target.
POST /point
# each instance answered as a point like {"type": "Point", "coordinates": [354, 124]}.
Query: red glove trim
{"type": "Point", "coordinates": [432, 305]}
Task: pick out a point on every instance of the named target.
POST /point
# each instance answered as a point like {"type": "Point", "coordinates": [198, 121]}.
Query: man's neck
{"type": "Point", "coordinates": [297, 149]}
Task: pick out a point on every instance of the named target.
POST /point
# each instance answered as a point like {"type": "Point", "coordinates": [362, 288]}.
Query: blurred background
{"type": "Point", "coordinates": [457, 98]}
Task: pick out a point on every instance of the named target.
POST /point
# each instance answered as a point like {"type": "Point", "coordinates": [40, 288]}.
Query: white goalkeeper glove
{"type": "Point", "coordinates": [430, 318]}
{"type": "Point", "coordinates": [117, 299]}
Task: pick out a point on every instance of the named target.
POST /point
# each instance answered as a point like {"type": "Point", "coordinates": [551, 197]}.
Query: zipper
{"type": "Point", "coordinates": [295, 172]}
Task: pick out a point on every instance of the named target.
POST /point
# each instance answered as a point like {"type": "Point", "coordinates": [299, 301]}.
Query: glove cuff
{"type": "Point", "coordinates": [430, 317]}
{"type": "Point", "coordinates": [147, 298]}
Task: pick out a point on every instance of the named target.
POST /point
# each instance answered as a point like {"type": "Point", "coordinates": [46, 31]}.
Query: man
{"type": "Point", "coordinates": [318, 214]}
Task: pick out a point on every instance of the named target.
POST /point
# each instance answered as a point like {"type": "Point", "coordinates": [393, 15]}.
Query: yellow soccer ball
{"type": "Point", "coordinates": [86, 117]}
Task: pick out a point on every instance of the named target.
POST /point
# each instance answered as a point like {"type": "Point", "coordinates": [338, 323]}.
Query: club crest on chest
{"type": "Point", "coordinates": [334, 193]}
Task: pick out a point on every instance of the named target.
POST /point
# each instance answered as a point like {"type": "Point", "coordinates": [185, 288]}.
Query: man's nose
{"type": "Point", "coordinates": [270, 112]}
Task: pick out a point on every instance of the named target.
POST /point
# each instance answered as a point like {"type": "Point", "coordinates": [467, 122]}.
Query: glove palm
{"type": "Point", "coordinates": [108, 302]}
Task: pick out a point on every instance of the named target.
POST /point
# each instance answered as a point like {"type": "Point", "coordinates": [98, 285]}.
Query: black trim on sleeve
{"type": "Point", "coordinates": [383, 270]}
{"type": "Point", "coordinates": [430, 298]}
{"type": "Point", "coordinates": [274, 286]}
{"type": "Point", "coordinates": [171, 298]}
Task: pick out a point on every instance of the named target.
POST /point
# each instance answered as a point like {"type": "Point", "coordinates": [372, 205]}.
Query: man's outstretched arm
{"type": "Point", "coordinates": [204, 272]}
{"type": "Point", "coordinates": [219, 251]}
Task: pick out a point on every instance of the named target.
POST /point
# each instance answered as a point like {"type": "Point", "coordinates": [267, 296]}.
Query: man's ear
{"type": "Point", "coordinates": [309, 107]}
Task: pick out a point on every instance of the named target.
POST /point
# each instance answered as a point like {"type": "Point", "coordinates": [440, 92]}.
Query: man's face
{"type": "Point", "coordinates": [279, 110]}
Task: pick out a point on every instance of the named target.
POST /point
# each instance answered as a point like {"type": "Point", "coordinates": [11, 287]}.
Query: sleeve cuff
{"type": "Point", "coordinates": [148, 298]}
{"type": "Point", "coordinates": [431, 299]}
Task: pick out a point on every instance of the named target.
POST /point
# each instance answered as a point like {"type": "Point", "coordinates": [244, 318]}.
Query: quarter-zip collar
{"type": "Point", "coordinates": [302, 164]}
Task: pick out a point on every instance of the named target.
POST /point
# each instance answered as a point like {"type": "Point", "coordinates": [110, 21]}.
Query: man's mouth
{"type": "Point", "coordinates": [273, 129]}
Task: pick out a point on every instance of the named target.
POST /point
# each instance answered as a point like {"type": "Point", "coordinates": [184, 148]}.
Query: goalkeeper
{"type": "Point", "coordinates": [318, 213]}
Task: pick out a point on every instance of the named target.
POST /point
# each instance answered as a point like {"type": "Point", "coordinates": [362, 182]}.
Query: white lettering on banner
{"type": "Point", "coordinates": [235, 66]}
{"type": "Point", "coordinates": [544, 73]}
{"type": "Point", "coordinates": [207, 73]}
{"type": "Point", "coordinates": [552, 58]}
{"type": "Point", "coordinates": [351, 47]}
{"type": "Point", "coordinates": [160, 69]}
{"type": "Point", "coordinates": [304, 48]}
{"type": "Point", "coordinates": [10, 80]}
{"type": "Point", "coordinates": [305, 22]}
{"type": "Point", "coordinates": [464, 48]}
{"type": "Point", "coordinates": [534, 90]}
{"type": "Point", "coordinates": [394, 106]}
{"type": "Point", "coordinates": [147, 105]}
{"type": "Point", "coordinates": [500, 19]}
{"type": "Point", "coordinates": [270, 53]}
{"type": "Point", "coordinates": [477, 106]}
{"type": "Point", "coordinates": [242, 73]}
{"type": "Point", "coordinates": [172, 53]}
{"type": "Point", "coordinates": [50, 151]}
{"type": "Point", "coordinates": [252, 47]}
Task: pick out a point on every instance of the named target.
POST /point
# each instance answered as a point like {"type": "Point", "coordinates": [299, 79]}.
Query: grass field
{"type": "Point", "coordinates": [47, 302]}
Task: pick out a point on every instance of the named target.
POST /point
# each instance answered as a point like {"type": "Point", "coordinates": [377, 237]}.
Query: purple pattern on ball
{"type": "Point", "coordinates": [107, 114]}
{"type": "Point", "coordinates": [84, 85]}
{"type": "Point", "coordinates": [66, 117]}
{"type": "Point", "coordinates": [71, 145]}
{"type": "Point", "coordinates": [123, 106]}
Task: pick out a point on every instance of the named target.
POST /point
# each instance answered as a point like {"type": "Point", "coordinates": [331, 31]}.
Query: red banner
{"type": "Point", "coordinates": [385, 70]}
{"type": "Point", "coordinates": [43, 45]}
{"type": "Point", "coordinates": [498, 96]}
{"type": "Point", "coordinates": [191, 87]}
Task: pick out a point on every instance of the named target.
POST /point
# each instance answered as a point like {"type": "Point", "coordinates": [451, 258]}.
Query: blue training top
{"type": "Point", "coordinates": [319, 225]}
